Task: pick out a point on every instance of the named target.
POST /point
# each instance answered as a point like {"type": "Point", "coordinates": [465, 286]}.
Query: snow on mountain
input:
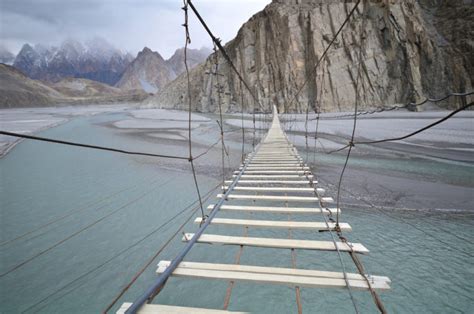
{"type": "Point", "coordinates": [96, 60]}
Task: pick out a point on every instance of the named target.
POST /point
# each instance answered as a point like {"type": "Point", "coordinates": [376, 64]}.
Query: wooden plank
{"type": "Point", "coordinates": [276, 210]}
{"type": "Point", "coordinates": [304, 225]}
{"type": "Point", "coordinates": [297, 182]}
{"type": "Point", "coordinates": [274, 171]}
{"type": "Point", "coordinates": [276, 198]}
{"type": "Point", "coordinates": [267, 159]}
{"type": "Point", "coordinates": [278, 243]}
{"type": "Point", "coordinates": [275, 163]}
{"type": "Point", "coordinates": [263, 176]}
{"type": "Point", "coordinates": [277, 167]}
{"type": "Point", "coordinates": [171, 309]}
{"type": "Point", "coordinates": [275, 189]}
{"type": "Point", "coordinates": [274, 270]}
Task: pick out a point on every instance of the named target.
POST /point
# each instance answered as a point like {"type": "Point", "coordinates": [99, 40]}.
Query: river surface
{"type": "Point", "coordinates": [71, 219]}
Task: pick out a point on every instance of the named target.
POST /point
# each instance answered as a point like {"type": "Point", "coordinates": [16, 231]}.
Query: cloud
{"type": "Point", "coordinates": [128, 24]}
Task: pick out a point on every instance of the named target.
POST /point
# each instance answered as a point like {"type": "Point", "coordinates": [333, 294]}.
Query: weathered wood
{"type": "Point", "coordinates": [275, 189]}
{"type": "Point", "coordinates": [305, 225]}
{"type": "Point", "coordinates": [277, 198]}
{"type": "Point", "coordinates": [263, 176]}
{"type": "Point", "coordinates": [274, 270]}
{"type": "Point", "coordinates": [276, 167]}
{"type": "Point", "coordinates": [296, 182]}
{"type": "Point", "coordinates": [171, 309]}
{"type": "Point", "coordinates": [278, 243]}
{"type": "Point", "coordinates": [273, 171]}
{"type": "Point", "coordinates": [263, 162]}
{"type": "Point", "coordinates": [300, 281]}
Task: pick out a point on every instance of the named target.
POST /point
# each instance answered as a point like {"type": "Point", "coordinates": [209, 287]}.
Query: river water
{"type": "Point", "coordinates": [80, 211]}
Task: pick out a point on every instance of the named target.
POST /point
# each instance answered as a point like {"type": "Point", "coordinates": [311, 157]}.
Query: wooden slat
{"type": "Point", "coordinates": [278, 243]}
{"type": "Point", "coordinates": [263, 176]}
{"type": "Point", "coordinates": [259, 162]}
{"type": "Point", "coordinates": [274, 270]}
{"type": "Point", "coordinates": [273, 172]}
{"type": "Point", "coordinates": [275, 210]}
{"type": "Point", "coordinates": [305, 225]}
{"type": "Point", "coordinates": [275, 189]}
{"type": "Point", "coordinates": [277, 167]}
{"type": "Point", "coordinates": [276, 198]}
{"type": "Point", "coordinates": [299, 281]}
{"type": "Point", "coordinates": [171, 309]}
{"type": "Point", "coordinates": [271, 159]}
{"type": "Point", "coordinates": [298, 182]}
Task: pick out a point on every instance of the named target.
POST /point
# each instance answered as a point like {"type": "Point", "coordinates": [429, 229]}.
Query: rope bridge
{"type": "Point", "coordinates": [275, 168]}
{"type": "Point", "coordinates": [273, 177]}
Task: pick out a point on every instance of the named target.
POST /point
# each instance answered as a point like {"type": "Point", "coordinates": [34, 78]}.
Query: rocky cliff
{"type": "Point", "coordinates": [150, 72]}
{"type": "Point", "coordinates": [406, 50]}
{"type": "Point", "coordinates": [194, 56]}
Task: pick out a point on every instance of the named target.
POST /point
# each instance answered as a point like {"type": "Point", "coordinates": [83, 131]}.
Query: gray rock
{"type": "Point", "coordinates": [409, 50]}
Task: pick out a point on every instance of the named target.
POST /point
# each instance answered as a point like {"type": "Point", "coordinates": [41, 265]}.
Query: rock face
{"type": "Point", "coordinates": [96, 60]}
{"type": "Point", "coordinates": [194, 57]}
{"type": "Point", "coordinates": [18, 90]}
{"type": "Point", "coordinates": [405, 50]}
{"type": "Point", "coordinates": [150, 72]}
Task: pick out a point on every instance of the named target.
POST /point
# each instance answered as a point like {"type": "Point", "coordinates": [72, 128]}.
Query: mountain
{"type": "Point", "coordinates": [409, 50]}
{"type": "Point", "coordinates": [6, 56]}
{"type": "Point", "coordinates": [150, 72]}
{"type": "Point", "coordinates": [96, 60]}
{"type": "Point", "coordinates": [18, 90]}
{"type": "Point", "coordinates": [194, 57]}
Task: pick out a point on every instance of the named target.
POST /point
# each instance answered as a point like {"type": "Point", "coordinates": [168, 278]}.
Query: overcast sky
{"type": "Point", "coordinates": [128, 24]}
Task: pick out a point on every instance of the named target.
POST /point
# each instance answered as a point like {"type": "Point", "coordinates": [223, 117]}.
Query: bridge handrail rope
{"type": "Point", "coordinates": [396, 107]}
{"type": "Point", "coordinates": [429, 126]}
{"type": "Point", "coordinates": [188, 81]}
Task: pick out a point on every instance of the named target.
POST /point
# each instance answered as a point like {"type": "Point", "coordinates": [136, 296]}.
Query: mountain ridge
{"type": "Point", "coordinates": [18, 90]}
{"type": "Point", "coordinates": [150, 72]}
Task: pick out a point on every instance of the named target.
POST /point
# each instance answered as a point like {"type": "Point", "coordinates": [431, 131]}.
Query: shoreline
{"type": "Point", "coordinates": [23, 120]}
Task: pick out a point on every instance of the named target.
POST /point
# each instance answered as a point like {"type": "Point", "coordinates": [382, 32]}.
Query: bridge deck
{"type": "Point", "coordinates": [275, 162]}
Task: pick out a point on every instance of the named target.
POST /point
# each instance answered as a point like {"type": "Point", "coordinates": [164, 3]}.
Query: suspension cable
{"type": "Point", "coordinates": [122, 151]}
{"type": "Point", "coordinates": [407, 105]}
{"type": "Point", "coordinates": [187, 42]}
{"type": "Point", "coordinates": [451, 114]}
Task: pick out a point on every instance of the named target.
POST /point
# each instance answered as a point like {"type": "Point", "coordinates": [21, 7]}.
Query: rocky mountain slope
{"type": "Point", "coordinates": [18, 90]}
{"type": "Point", "coordinates": [194, 57]}
{"type": "Point", "coordinates": [96, 60]}
{"type": "Point", "coordinates": [409, 50]}
{"type": "Point", "coordinates": [150, 72]}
